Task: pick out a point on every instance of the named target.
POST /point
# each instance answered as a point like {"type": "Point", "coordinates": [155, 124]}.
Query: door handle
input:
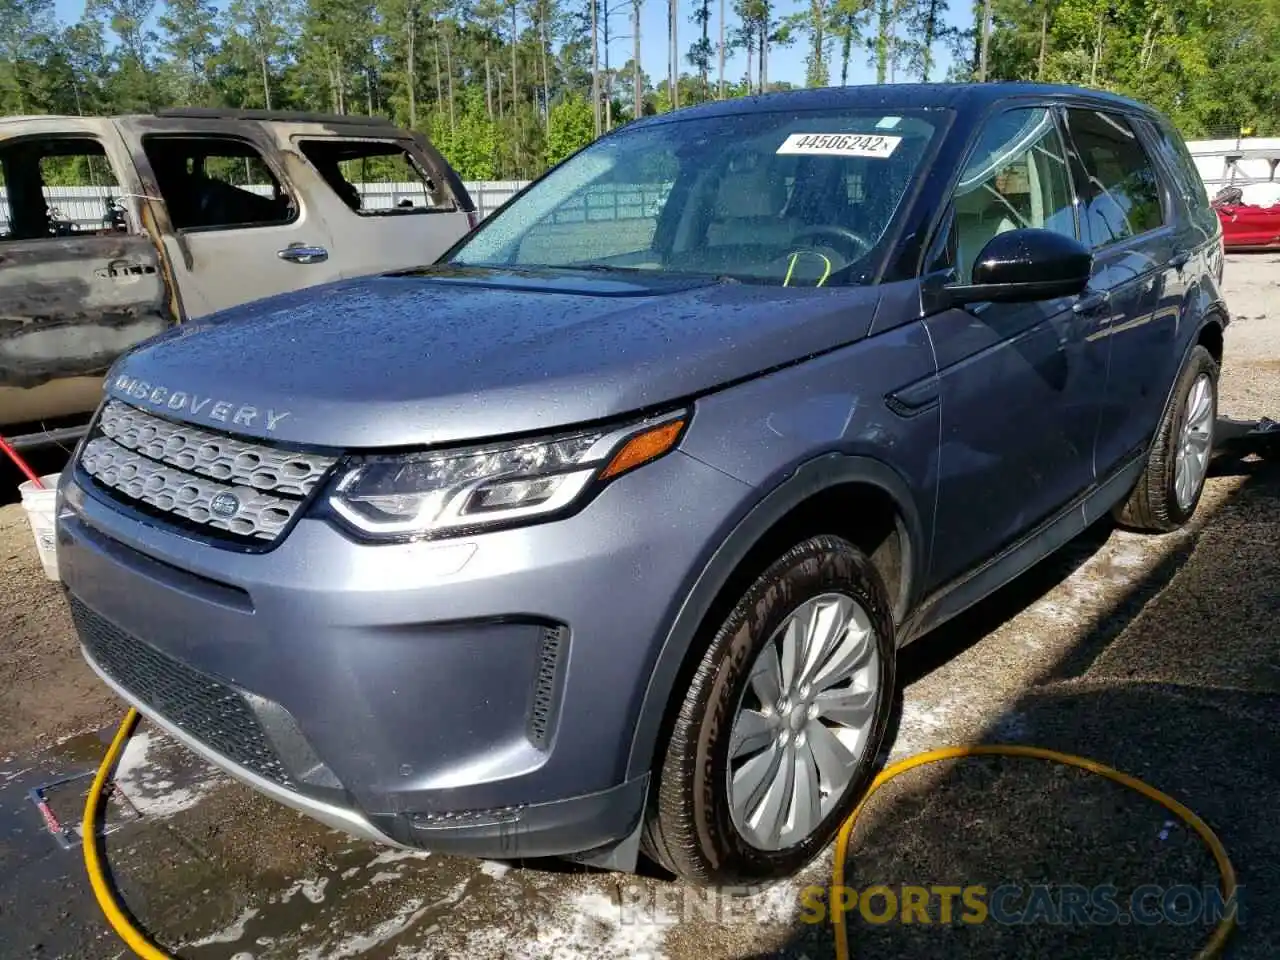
{"type": "Point", "coordinates": [1179, 259]}
{"type": "Point", "coordinates": [302, 253]}
{"type": "Point", "coordinates": [1091, 301]}
{"type": "Point", "coordinates": [124, 270]}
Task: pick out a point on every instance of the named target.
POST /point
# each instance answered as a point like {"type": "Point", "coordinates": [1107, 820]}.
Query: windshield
{"type": "Point", "coordinates": [781, 198]}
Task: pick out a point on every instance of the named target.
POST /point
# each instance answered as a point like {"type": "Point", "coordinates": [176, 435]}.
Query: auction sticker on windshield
{"type": "Point", "coordinates": [840, 144]}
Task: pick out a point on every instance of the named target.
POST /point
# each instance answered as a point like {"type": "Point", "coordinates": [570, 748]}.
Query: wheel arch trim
{"type": "Point", "coordinates": [1210, 319]}
{"type": "Point", "coordinates": [808, 480]}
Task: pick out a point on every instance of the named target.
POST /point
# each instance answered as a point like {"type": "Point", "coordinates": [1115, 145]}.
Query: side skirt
{"type": "Point", "coordinates": [956, 597]}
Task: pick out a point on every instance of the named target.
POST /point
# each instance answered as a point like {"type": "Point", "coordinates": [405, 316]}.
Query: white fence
{"type": "Point", "coordinates": [489, 195]}
{"type": "Point", "coordinates": [87, 206]}
{"type": "Point", "coordinates": [1246, 160]}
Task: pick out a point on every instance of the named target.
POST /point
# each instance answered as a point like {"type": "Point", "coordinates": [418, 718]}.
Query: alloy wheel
{"type": "Point", "coordinates": [802, 725]}
{"type": "Point", "coordinates": [1195, 442]}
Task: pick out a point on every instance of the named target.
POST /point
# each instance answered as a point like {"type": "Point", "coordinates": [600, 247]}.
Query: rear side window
{"type": "Point", "coordinates": [217, 183]}
{"type": "Point", "coordinates": [376, 178]}
{"type": "Point", "coordinates": [1123, 195]}
{"type": "Point", "coordinates": [1190, 181]}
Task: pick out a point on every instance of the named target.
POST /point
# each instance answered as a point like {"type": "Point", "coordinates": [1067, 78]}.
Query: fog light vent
{"type": "Point", "coordinates": [467, 818]}
{"type": "Point", "coordinates": [546, 690]}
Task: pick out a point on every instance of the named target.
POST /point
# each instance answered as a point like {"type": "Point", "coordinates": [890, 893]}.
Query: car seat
{"type": "Point", "coordinates": [747, 208]}
{"type": "Point", "coordinates": [28, 211]}
{"type": "Point", "coordinates": [984, 212]}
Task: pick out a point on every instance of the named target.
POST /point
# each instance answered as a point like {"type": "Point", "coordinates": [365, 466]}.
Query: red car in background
{"type": "Point", "coordinates": [1250, 216]}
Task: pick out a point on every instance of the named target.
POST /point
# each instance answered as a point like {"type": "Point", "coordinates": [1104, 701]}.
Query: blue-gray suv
{"type": "Point", "coordinates": [600, 535]}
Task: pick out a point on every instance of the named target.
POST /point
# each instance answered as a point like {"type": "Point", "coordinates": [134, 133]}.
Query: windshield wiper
{"type": "Point", "coordinates": [611, 268]}
{"type": "Point", "coordinates": [604, 268]}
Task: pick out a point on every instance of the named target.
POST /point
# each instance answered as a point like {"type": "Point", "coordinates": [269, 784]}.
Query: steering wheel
{"type": "Point", "coordinates": [849, 244]}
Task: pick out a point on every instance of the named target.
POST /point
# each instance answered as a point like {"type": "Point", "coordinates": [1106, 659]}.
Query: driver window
{"type": "Point", "coordinates": [1016, 178]}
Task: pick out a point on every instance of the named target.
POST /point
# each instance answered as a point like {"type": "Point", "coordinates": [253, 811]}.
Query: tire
{"type": "Point", "coordinates": [1153, 504]}
{"type": "Point", "coordinates": [690, 828]}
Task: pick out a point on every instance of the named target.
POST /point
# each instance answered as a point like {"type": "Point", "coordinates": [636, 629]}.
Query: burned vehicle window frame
{"type": "Point", "coordinates": [324, 156]}
{"type": "Point", "coordinates": [28, 155]}
{"type": "Point", "coordinates": [173, 196]}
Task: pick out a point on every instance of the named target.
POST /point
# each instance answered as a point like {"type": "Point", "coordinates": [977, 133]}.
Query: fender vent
{"type": "Point", "coordinates": [546, 690]}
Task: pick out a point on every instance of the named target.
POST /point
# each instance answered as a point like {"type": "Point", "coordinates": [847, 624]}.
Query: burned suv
{"type": "Point", "coordinates": [600, 535]}
{"type": "Point", "coordinates": [183, 213]}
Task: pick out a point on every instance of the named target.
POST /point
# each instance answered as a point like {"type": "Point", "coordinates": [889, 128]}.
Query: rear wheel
{"type": "Point", "coordinates": [776, 737]}
{"type": "Point", "coordinates": [1169, 490]}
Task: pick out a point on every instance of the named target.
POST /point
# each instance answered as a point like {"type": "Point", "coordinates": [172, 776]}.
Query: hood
{"type": "Point", "coordinates": [449, 355]}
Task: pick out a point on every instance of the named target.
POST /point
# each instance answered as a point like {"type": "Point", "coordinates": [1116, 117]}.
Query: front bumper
{"type": "Point", "coordinates": [475, 696]}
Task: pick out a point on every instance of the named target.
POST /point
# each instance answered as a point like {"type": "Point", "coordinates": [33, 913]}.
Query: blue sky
{"type": "Point", "coordinates": [784, 63]}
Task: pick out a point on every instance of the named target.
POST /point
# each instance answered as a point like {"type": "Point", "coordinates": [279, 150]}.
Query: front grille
{"type": "Point", "coordinates": [212, 712]}
{"type": "Point", "coordinates": [224, 485]}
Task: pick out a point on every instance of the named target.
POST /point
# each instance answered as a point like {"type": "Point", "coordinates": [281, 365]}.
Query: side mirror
{"type": "Point", "coordinates": [1020, 266]}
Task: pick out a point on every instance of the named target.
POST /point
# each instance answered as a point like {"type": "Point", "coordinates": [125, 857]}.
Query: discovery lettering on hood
{"type": "Point", "coordinates": [193, 404]}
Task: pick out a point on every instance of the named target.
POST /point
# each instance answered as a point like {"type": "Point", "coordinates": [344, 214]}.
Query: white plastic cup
{"type": "Point", "coordinates": [40, 506]}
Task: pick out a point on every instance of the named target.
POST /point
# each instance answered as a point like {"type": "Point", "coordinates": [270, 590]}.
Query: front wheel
{"type": "Point", "coordinates": [1169, 489]}
{"type": "Point", "coordinates": [777, 735]}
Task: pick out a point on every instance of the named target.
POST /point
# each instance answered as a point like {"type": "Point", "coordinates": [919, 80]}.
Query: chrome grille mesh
{"type": "Point", "coordinates": [220, 457]}
{"type": "Point", "coordinates": [182, 470]}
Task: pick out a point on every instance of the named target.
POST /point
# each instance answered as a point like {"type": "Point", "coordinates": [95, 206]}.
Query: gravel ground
{"type": "Point", "coordinates": [1158, 655]}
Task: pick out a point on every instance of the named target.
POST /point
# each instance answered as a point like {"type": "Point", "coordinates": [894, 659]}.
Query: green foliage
{"type": "Point", "coordinates": [471, 144]}
{"type": "Point", "coordinates": [504, 86]}
{"type": "Point", "coordinates": [701, 51]}
{"type": "Point", "coordinates": [190, 30]}
{"type": "Point", "coordinates": [817, 23]}
{"type": "Point", "coordinates": [572, 128]}
{"type": "Point", "coordinates": [1212, 65]}
{"type": "Point", "coordinates": [848, 20]}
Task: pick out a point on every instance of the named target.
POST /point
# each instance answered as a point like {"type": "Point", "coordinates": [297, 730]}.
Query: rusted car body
{"type": "Point", "coordinates": [203, 210]}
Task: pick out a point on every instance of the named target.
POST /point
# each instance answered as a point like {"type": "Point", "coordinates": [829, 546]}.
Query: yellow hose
{"type": "Point", "coordinates": [140, 945]}
{"type": "Point", "coordinates": [1221, 932]}
{"type": "Point", "coordinates": [111, 909]}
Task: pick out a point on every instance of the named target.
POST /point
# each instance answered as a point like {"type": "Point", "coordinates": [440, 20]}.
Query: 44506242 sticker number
{"type": "Point", "coordinates": [840, 144]}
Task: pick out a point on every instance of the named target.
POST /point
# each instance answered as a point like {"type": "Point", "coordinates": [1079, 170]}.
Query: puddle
{"type": "Point", "coordinates": [345, 912]}
{"type": "Point", "coordinates": [409, 915]}
{"type": "Point", "coordinates": [161, 777]}
{"type": "Point", "coordinates": [231, 933]}
{"type": "Point", "coordinates": [23, 831]}
{"type": "Point", "coordinates": [82, 749]}
{"type": "Point", "coordinates": [42, 883]}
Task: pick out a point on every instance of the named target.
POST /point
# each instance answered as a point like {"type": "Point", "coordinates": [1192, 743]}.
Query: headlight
{"type": "Point", "coordinates": [450, 491]}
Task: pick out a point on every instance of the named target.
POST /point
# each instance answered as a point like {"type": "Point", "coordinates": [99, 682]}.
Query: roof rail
{"type": "Point", "coordinates": [285, 116]}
